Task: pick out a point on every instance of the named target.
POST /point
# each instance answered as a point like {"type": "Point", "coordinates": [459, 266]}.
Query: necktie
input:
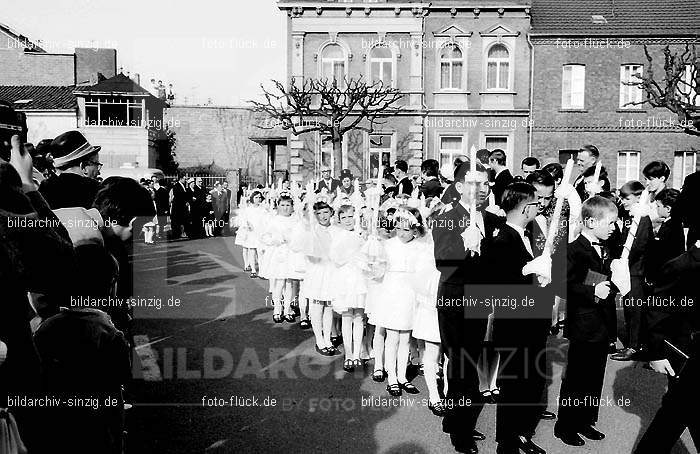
{"type": "Point", "coordinates": [603, 250]}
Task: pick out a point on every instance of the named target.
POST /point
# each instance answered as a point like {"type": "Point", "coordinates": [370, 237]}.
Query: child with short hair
{"type": "Point", "coordinates": [397, 298]}
{"type": "Point", "coordinates": [589, 324]}
{"type": "Point", "coordinates": [350, 287]}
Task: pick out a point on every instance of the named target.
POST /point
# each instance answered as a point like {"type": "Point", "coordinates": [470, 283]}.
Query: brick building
{"type": "Point", "coordinates": [582, 53]}
{"type": "Point", "coordinates": [83, 90]}
{"type": "Point", "coordinates": [462, 67]}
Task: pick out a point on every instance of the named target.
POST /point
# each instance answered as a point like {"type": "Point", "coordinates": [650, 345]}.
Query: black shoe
{"type": "Point", "coordinates": [289, 318]}
{"type": "Point", "coordinates": [529, 447]}
{"type": "Point", "coordinates": [337, 341]}
{"type": "Point", "coordinates": [277, 318]}
{"type": "Point", "coordinates": [628, 354]}
{"type": "Point", "coordinates": [570, 438]}
{"type": "Point", "coordinates": [334, 351]}
{"type": "Point", "coordinates": [478, 436]}
{"type": "Point", "coordinates": [348, 365]}
{"type": "Point", "coordinates": [612, 348]}
{"type": "Point", "coordinates": [591, 433]}
{"type": "Point", "coordinates": [409, 387]}
{"type": "Point", "coordinates": [548, 415]}
{"type": "Point", "coordinates": [439, 409]}
{"type": "Point", "coordinates": [464, 445]}
{"type": "Point", "coordinates": [305, 324]}
{"type": "Point", "coordinates": [394, 390]}
{"type": "Point", "coordinates": [324, 351]}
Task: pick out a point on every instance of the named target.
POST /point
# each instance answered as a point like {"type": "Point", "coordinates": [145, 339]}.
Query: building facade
{"type": "Point", "coordinates": [462, 69]}
{"type": "Point", "coordinates": [584, 52]}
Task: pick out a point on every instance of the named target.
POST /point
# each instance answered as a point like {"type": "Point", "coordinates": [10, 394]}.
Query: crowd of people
{"type": "Point", "coordinates": [439, 274]}
{"type": "Point", "coordinates": [453, 268]}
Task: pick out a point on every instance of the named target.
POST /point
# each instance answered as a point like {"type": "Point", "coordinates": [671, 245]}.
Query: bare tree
{"type": "Point", "coordinates": [679, 88]}
{"type": "Point", "coordinates": [330, 107]}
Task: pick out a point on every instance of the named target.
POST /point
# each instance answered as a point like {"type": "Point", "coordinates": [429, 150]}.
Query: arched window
{"type": "Point", "coordinates": [451, 67]}
{"type": "Point", "coordinates": [333, 63]}
{"type": "Point", "coordinates": [498, 68]}
{"type": "Point", "coordinates": [381, 63]}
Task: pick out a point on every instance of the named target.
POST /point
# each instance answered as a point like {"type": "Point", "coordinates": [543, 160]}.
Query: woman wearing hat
{"type": "Point", "coordinates": [78, 165]}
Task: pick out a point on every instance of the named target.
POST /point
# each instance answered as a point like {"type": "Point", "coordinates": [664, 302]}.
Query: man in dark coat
{"type": "Point", "coordinates": [461, 248]}
{"type": "Point", "coordinates": [178, 207]}
{"type": "Point", "coordinates": [502, 176]}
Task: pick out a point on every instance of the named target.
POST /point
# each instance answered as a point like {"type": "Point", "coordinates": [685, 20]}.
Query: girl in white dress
{"type": "Point", "coordinates": [425, 320]}
{"type": "Point", "coordinates": [349, 284]}
{"type": "Point", "coordinates": [318, 281]}
{"type": "Point", "coordinates": [282, 269]}
{"type": "Point", "coordinates": [396, 299]}
{"type": "Point", "coordinates": [252, 223]}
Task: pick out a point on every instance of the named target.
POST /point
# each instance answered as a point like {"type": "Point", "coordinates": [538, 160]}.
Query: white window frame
{"type": "Point", "coordinates": [452, 60]}
{"type": "Point", "coordinates": [127, 102]}
{"type": "Point", "coordinates": [369, 151]}
{"type": "Point", "coordinates": [323, 61]}
{"type": "Point", "coordinates": [452, 153]}
{"type": "Point", "coordinates": [624, 170]}
{"type": "Point", "coordinates": [382, 61]}
{"type": "Point", "coordinates": [686, 91]}
{"type": "Point", "coordinates": [498, 62]}
{"type": "Point", "coordinates": [630, 93]}
{"type": "Point", "coordinates": [680, 161]}
{"type": "Point", "coordinates": [568, 104]}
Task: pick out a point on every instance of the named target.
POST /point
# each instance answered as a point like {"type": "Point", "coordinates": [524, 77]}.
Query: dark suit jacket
{"type": "Point", "coordinates": [686, 208]}
{"type": "Point", "coordinates": [508, 256]}
{"type": "Point", "coordinates": [667, 244]}
{"type": "Point", "coordinates": [178, 208]}
{"type": "Point", "coordinates": [678, 279]}
{"type": "Point", "coordinates": [499, 184]}
{"type": "Point", "coordinates": [457, 267]}
{"type": "Point", "coordinates": [322, 184]}
{"type": "Point", "coordinates": [160, 197]}
{"type": "Point", "coordinates": [587, 320]}
{"type": "Point", "coordinates": [69, 190]}
{"type": "Point", "coordinates": [640, 245]}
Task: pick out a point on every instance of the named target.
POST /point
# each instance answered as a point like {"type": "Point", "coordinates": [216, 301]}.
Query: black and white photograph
{"type": "Point", "coordinates": [349, 226]}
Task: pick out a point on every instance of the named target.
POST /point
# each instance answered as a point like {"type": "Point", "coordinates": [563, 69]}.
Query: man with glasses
{"type": "Point", "coordinates": [78, 166]}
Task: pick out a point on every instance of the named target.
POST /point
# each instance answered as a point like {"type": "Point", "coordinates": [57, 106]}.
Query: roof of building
{"type": "Point", "coordinates": [28, 44]}
{"type": "Point", "coordinates": [619, 17]}
{"type": "Point", "coordinates": [34, 97]}
{"type": "Point", "coordinates": [118, 84]}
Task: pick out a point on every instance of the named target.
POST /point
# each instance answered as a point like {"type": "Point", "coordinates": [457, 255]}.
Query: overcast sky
{"type": "Point", "coordinates": [218, 49]}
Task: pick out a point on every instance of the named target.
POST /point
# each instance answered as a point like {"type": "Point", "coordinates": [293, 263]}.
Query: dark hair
{"type": "Point", "coordinates": [499, 155]}
{"type": "Point", "coordinates": [633, 187]}
{"type": "Point", "coordinates": [322, 206]}
{"type": "Point", "coordinates": [555, 170]}
{"type": "Point", "coordinates": [431, 167]}
{"type": "Point", "coordinates": [483, 155]}
{"type": "Point", "coordinates": [122, 199]}
{"type": "Point", "coordinates": [530, 161]}
{"type": "Point", "coordinates": [516, 193]}
{"type": "Point", "coordinates": [285, 198]}
{"type": "Point", "coordinates": [541, 177]}
{"type": "Point", "coordinates": [461, 171]}
{"type": "Point", "coordinates": [589, 172]}
{"type": "Point", "coordinates": [401, 165]}
{"type": "Point", "coordinates": [656, 169]}
{"type": "Point", "coordinates": [416, 214]}
{"type": "Point", "coordinates": [253, 194]}
{"type": "Point", "coordinates": [667, 197]}
{"type": "Point", "coordinates": [596, 207]}
{"type": "Point", "coordinates": [592, 149]}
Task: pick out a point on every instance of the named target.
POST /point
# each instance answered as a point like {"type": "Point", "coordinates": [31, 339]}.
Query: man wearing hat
{"type": "Point", "coordinates": [178, 207]}
{"type": "Point", "coordinates": [78, 166]}
{"type": "Point", "coordinates": [331, 184]}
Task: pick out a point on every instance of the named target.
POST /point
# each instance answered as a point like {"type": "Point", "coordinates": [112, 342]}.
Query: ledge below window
{"type": "Point", "coordinates": [631, 111]}
{"type": "Point", "coordinates": [573, 110]}
{"type": "Point", "coordinates": [498, 92]}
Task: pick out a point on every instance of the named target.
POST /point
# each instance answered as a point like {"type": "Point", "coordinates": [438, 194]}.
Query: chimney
{"type": "Point", "coordinates": [136, 77]}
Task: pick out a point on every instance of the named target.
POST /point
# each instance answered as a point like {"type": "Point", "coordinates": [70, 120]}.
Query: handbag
{"type": "Point", "coordinates": [10, 441]}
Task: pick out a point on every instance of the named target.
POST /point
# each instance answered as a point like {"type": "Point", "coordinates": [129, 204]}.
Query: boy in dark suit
{"type": "Point", "coordinates": [669, 241]}
{"type": "Point", "coordinates": [520, 331]}
{"type": "Point", "coordinates": [502, 176]}
{"type": "Point", "coordinates": [589, 325]}
{"type": "Point", "coordinates": [460, 248]}
{"type": "Point", "coordinates": [635, 330]}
